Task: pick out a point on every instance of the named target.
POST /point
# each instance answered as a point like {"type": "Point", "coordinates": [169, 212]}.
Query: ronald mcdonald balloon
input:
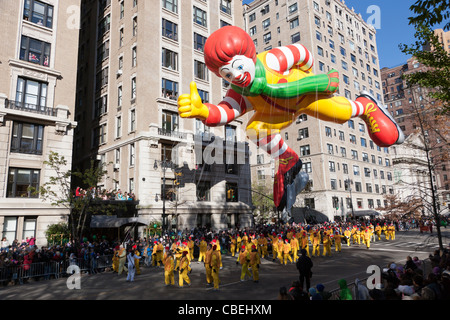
{"type": "Point", "coordinates": [278, 86]}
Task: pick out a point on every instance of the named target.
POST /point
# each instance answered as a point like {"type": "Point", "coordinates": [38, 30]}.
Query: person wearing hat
{"type": "Point", "coordinates": [294, 246]}
{"type": "Point", "coordinates": [208, 270]}
{"type": "Point", "coordinates": [254, 263]}
{"type": "Point", "coordinates": [316, 244]}
{"type": "Point", "coordinates": [321, 290]}
{"type": "Point", "coordinates": [367, 235]}
{"type": "Point", "coordinates": [215, 266]}
{"type": "Point", "coordinates": [262, 246]}
{"type": "Point", "coordinates": [378, 231]}
{"type": "Point", "coordinates": [190, 245]}
{"type": "Point", "coordinates": [305, 242]}
{"type": "Point", "coordinates": [202, 249]}
{"type": "Point", "coordinates": [169, 265]}
{"type": "Point", "coordinates": [184, 269]}
{"type": "Point", "coordinates": [244, 259]}
{"type": "Point", "coordinates": [337, 237]}
{"type": "Point", "coordinates": [233, 243]}
{"type": "Point", "coordinates": [274, 241]}
{"type": "Point", "coordinates": [326, 244]}
{"type": "Point", "coordinates": [348, 235]}
{"type": "Point", "coordinates": [286, 252]}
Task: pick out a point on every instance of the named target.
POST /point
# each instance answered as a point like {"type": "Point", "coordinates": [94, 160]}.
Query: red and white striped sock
{"type": "Point", "coordinates": [357, 108]}
{"type": "Point", "coordinates": [273, 144]}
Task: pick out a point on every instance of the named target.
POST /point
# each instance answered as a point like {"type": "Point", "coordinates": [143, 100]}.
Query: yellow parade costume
{"type": "Point", "coordinates": [202, 250]}
{"type": "Point", "coordinates": [316, 244]}
{"type": "Point", "coordinates": [184, 269]}
{"type": "Point", "coordinates": [208, 270]}
{"type": "Point", "coordinates": [169, 265]}
{"type": "Point", "coordinates": [295, 247]}
{"type": "Point", "coordinates": [244, 260]}
{"type": "Point", "coordinates": [326, 245]}
{"type": "Point", "coordinates": [254, 263]}
{"type": "Point", "coordinates": [216, 263]}
{"type": "Point", "coordinates": [286, 252]}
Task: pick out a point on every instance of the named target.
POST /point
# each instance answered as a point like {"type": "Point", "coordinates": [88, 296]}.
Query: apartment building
{"type": "Point", "coordinates": [413, 110]}
{"type": "Point", "coordinates": [136, 58]}
{"type": "Point", "coordinates": [38, 65]}
{"type": "Point", "coordinates": [345, 167]}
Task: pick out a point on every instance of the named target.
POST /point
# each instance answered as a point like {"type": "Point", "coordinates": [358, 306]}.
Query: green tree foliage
{"type": "Point", "coordinates": [428, 50]}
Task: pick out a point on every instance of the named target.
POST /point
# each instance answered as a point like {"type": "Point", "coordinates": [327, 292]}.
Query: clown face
{"type": "Point", "coordinates": [240, 71]}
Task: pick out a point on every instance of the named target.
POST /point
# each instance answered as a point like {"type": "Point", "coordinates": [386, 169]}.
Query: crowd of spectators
{"type": "Point", "coordinates": [103, 194]}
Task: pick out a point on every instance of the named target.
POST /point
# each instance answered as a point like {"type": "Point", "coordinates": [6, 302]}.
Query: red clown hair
{"type": "Point", "coordinates": [225, 43]}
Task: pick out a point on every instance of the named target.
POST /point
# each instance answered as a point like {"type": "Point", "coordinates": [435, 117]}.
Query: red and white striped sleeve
{"type": "Point", "coordinates": [282, 59]}
{"type": "Point", "coordinates": [233, 106]}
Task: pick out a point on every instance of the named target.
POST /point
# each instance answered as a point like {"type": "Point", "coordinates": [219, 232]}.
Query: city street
{"type": "Point", "coordinates": [350, 264]}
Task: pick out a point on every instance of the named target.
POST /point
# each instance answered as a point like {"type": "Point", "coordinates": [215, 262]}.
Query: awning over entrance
{"type": "Point", "coordinates": [103, 221]}
{"type": "Point", "coordinates": [362, 213]}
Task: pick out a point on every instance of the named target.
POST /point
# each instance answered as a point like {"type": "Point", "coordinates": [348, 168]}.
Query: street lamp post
{"type": "Point", "coordinates": [164, 165]}
{"type": "Point", "coordinates": [348, 182]}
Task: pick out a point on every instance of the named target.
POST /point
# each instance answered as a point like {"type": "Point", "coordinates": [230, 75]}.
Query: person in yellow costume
{"type": "Point", "coordinates": [326, 244]}
{"type": "Point", "coordinates": [169, 266]}
{"type": "Point", "coordinates": [238, 243]}
{"type": "Point", "coordinates": [392, 228]}
{"type": "Point", "coordinates": [286, 252]}
{"type": "Point", "coordinates": [255, 261]}
{"type": "Point", "coordinates": [338, 241]}
{"type": "Point", "coordinates": [216, 243]}
{"type": "Point", "coordinates": [202, 249]}
{"type": "Point", "coordinates": [115, 259]}
{"type": "Point", "coordinates": [274, 240]}
{"type": "Point", "coordinates": [305, 242]}
{"type": "Point", "coordinates": [233, 244]}
{"type": "Point", "coordinates": [279, 86]}
{"type": "Point", "coordinates": [190, 245]}
{"type": "Point", "coordinates": [348, 236]}
{"type": "Point", "coordinates": [385, 231]}
{"type": "Point", "coordinates": [244, 259]}
{"type": "Point", "coordinates": [295, 246]}
{"type": "Point", "coordinates": [158, 251]}
{"type": "Point", "coordinates": [358, 236]}
{"type": "Point", "coordinates": [367, 237]}
{"type": "Point", "coordinates": [208, 271]}
{"type": "Point", "coordinates": [262, 246]}
{"type": "Point", "coordinates": [280, 250]}
{"type": "Point", "coordinates": [184, 270]}
{"type": "Point", "coordinates": [216, 263]}
{"type": "Point", "coordinates": [316, 244]}
{"type": "Point", "coordinates": [378, 231]}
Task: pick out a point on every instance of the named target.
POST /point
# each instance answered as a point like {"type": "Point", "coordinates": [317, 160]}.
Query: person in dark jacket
{"type": "Point", "coordinates": [304, 265]}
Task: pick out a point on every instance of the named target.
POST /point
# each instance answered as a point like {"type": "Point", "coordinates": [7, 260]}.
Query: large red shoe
{"type": "Point", "coordinates": [288, 167]}
{"type": "Point", "coordinates": [383, 129]}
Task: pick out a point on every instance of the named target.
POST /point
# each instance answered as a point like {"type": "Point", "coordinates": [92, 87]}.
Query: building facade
{"type": "Point", "coordinates": [414, 111]}
{"type": "Point", "coordinates": [136, 58]}
{"type": "Point", "coordinates": [347, 170]}
{"type": "Point", "coordinates": [38, 69]}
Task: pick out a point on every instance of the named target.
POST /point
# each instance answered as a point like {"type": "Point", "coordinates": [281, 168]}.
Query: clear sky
{"type": "Point", "coordinates": [394, 29]}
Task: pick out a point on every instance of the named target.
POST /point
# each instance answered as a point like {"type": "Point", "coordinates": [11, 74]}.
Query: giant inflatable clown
{"type": "Point", "coordinates": [278, 86]}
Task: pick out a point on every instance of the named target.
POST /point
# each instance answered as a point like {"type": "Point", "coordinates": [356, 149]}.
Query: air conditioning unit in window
{"type": "Point", "coordinates": [116, 166]}
{"type": "Point", "coordinates": [119, 72]}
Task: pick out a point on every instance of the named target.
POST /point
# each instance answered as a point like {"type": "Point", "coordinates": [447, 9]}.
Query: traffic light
{"type": "Point", "coordinates": [179, 179]}
{"type": "Point", "coordinates": [231, 195]}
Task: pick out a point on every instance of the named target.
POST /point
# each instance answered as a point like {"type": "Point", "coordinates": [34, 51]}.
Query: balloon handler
{"type": "Point", "coordinates": [278, 86]}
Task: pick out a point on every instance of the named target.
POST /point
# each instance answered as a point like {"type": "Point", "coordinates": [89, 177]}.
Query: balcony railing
{"type": "Point", "coordinates": [17, 105]}
{"type": "Point", "coordinates": [170, 133]}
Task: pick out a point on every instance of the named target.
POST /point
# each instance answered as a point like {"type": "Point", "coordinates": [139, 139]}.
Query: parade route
{"type": "Point", "coordinates": [350, 264]}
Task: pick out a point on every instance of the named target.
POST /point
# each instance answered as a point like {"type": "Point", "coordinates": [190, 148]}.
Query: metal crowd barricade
{"type": "Point", "coordinates": [55, 269]}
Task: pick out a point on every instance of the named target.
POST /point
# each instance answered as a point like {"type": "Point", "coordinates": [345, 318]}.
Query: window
{"type": "Point", "coordinates": [267, 37]}
{"type": "Point", "coordinates": [169, 89]}
{"type": "Point", "coordinates": [307, 167]}
{"type": "Point", "coordinates": [203, 191]}
{"type": "Point", "coordinates": [133, 88]}
{"type": "Point", "coordinates": [169, 29]}
{"type": "Point", "coordinates": [101, 106]}
{"type": "Point", "coordinates": [169, 121]}
{"type": "Point", "coordinates": [35, 51]}
{"type": "Point", "coordinates": [199, 42]}
{"type": "Point", "coordinates": [38, 12]}
{"type": "Point", "coordinates": [330, 148]}
{"type": "Point", "coordinates": [303, 133]}
{"type": "Point", "coordinates": [132, 120]}
{"type": "Point", "coordinates": [19, 179]}
{"type": "Point", "coordinates": [135, 26]}
{"type": "Point", "coordinates": [252, 17]}
{"type": "Point", "coordinates": [119, 96]}
{"type": "Point", "coordinates": [31, 94]}
{"type": "Point", "coordinates": [343, 152]}
{"type": "Point", "coordinates": [118, 126]}
{"type": "Point", "coordinates": [333, 184]}
{"type": "Point", "coordinates": [225, 6]}
{"type": "Point", "coordinates": [200, 17]}
{"type": "Point", "coordinates": [356, 170]}
{"type": "Point", "coordinates": [103, 51]}
{"type": "Point", "coordinates": [121, 37]}
{"type": "Point", "coordinates": [169, 59]}
{"type": "Point", "coordinates": [252, 30]}
{"type": "Point", "coordinates": [230, 133]}
{"type": "Point", "coordinates": [305, 150]}
{"type": "Point", "coordinates": [27, 138]}
{"type": "Point", "coordinates": [332, 166]}
{"type": "Point", "coordinates": [99, 135]}
{"type": "Point", "coordinates": [104, 26]}
{"type": "Point", "coordinates": [171, 5]}
{"type": "Point", "coordinates": [200, 70]}
{"type": "Point", "coordinates": [204, 95]}
{"type": "Point", "coordinates": [102, 78]}
{"type": "Point", "coordinates": [10, 228]}
{"type": "Point", "coordinates": [117, 156]}
{"type": "Point", "coordinates": [295, 37]}
{"type": "Point", "coordinates": [328, 131]}
{"type": "Point", "coordinates": [132, 154]}
{"type": "Point", "coordinates": [134, 57]}
{"type": "Point", "coordinates": [29, 228]}
{"type": "Point", "coordinates": [294, 23]}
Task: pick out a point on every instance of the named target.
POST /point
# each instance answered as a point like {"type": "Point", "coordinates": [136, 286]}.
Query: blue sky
{"type": "Point", "coordinates": [394, 28]}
